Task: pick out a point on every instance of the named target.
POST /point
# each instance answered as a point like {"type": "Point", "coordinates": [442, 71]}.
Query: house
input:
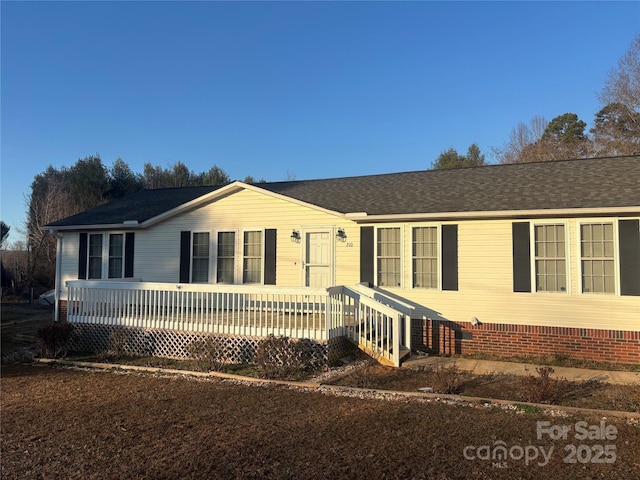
{"type": "Point", "coordinates": [525, 259]}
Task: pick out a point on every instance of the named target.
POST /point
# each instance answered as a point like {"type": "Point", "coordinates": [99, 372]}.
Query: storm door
{"type": "Point", "coordinates": [318, 258]}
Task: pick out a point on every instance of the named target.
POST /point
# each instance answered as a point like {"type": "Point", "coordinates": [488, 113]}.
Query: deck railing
{"type": "Point", "coordinates": [375, 327]}
{"type": "Point", "coordinates": [223, 309]}
{"type": "Point", "coordinates": [256, 311]}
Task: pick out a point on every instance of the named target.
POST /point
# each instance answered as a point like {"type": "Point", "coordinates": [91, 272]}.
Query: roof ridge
{"type": "Point", "coordinates": [445, 170]}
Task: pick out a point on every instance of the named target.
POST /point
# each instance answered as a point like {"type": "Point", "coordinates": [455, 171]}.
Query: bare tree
{"type": "Point", "coordinates": [520, 148]}
{"type": "Point", "coordinates": [617, 125]}
{"type": "Point", "coordinates": [53, 202]}
{"type": "Point", "coordinates": [623, 84]}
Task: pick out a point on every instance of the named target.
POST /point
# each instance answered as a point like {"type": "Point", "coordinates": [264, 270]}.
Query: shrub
{"type": "Point", "coordinates": [118, 344]}
{"type": "Point", "coordinates": [54, 339]}
{"type": "Point", "coordinates": [542, 388]}
{"type": "Point", "coordinates": [446, 378]}
{"type": "Point", "coordinates": [208, 354]}
{"type": "Point", "coordinates": [367, 375]}
{"type": "Point", "coordinates": [282, 357]}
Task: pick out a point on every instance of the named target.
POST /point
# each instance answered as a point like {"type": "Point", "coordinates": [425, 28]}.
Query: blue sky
{"type": "Point", "coordinates": [289, 89]}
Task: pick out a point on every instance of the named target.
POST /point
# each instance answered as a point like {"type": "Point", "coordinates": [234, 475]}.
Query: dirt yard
{"type": "Point", "coordinates": [20, 324]}
{"type": "Point", "coordinates": [61, 423]}
{"type": "Point", "coordinates": [70, 424]}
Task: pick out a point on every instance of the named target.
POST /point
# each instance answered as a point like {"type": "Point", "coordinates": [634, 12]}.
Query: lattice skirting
{"type": "Point", "coordinates": [180, 344]}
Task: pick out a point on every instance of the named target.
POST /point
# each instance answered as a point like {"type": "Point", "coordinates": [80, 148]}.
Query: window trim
{"type": "Point", "coordinates": [102, 256]}
{"type": "Point", "coordinates": [105, 254]}
{"type": "Point", "coordinates": [438, 227]}
{"type": "Point", "coordinates": [192, 257]}
{"type": "Point", "coordinates": [122, 267]}
{"type": "Point", "coordinates": [616, 254]}
{"type": "Point", "coordinates": [238, 251]}
{"type": "Point", "coordinates": [401, 254]}
{"type": "Point", "coordinates": [235, 256]}
{"type": "Point", "coordinates": [242, 256]}
{"type": "Point", "coordinates": [567, 256]}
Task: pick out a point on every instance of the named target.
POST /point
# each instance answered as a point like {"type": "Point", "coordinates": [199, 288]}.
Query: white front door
{"type": "Point", "coordinates": [318, 258]}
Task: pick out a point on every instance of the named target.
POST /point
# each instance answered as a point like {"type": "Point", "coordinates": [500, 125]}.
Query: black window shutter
{"type": "Point", "coordinates": [366, 255]}
{"type": "Point", "coordinates": [185, 256]}
{"type": "Point", "coordinates": [629, 233]}
{"type": "Point", "coordinates": [521, 257]}
{"type": "Point", "coordinates": [82, 257]}
{"type": "Point", "coordinates": [270, 256]}
{"type": "Point", "coordinates": [129, 245]}
{"type": "Point", "coordinates": [450, 257]}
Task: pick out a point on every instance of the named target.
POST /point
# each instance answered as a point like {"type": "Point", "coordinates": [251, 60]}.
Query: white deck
{"type": "Point", "coordinates": [313, 313]}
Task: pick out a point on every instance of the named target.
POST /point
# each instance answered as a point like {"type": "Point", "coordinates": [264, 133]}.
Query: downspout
{"type": "Point", "coordinates": [56, 299]}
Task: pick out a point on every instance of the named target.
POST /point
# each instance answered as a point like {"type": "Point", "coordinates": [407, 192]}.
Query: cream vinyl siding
{"type": "Point", "coordinates": [485, 285]}
{"type": "Point", "coordinates": [485, 272]}
{"type": "Point", "coordinates": [157, 248]}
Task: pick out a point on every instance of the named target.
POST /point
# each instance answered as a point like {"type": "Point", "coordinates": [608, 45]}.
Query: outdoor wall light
{"type": "Point", "coordinates": [295, 236]}
{"type": "Point", "coordinates": [341, 234]}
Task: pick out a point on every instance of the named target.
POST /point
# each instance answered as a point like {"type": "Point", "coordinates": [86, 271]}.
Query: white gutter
{"type": "Point", "coordinates": [555, 212]}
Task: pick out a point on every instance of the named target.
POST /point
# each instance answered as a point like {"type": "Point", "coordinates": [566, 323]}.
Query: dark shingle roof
{"type": "Point", "coordinates": [139, 206]}
{"type": "Point", "coordinates": [590, 183]}
{"type": "Point", "coordinates": [611, 182]}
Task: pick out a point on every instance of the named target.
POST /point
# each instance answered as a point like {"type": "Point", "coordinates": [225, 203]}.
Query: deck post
{"type": "Point", "coordinates": [396, 339]}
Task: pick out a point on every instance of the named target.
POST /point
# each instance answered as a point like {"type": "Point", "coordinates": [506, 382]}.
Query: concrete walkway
{"type": "Point", "coordinates": [490, 366]}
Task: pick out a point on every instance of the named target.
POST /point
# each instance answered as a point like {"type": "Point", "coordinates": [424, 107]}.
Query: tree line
{"type": "Point", "coordinates": [58, 193]}
{"type": "Point", "coordinates": [615, 131]}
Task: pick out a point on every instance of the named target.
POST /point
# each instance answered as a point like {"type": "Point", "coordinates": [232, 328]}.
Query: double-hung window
{"type": "Point", "coordinates": [105, 255]}
{"type": "Point", "coordinates": [597, 257]}
{"type": "Point", "coordinates": [226, 257]}
{"type": "Point", "coordinates": [550, 258]}
{"type": "Point", "coordinates": [252, 257]}
{"type": "Point", "coordinates": [425, 257]}
{"type": "Point", "coordinates": [388, 257]}
{"type": "Point", "coordinates": [200, 258]}
{"type": "Point", "coordinates": [95, 256]}
{"type": "Point", "coordinates": [116, 255]}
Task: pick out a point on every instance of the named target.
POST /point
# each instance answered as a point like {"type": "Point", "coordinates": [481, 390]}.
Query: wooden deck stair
{"type": "Point", "coordinates": [365, 345]}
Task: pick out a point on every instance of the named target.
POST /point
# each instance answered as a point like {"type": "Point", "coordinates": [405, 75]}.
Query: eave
{"type": "Point", "coordinates": [363, 217]}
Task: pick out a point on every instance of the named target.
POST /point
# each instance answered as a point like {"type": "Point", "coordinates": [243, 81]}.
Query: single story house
{"type": "Point", "coordinates": [509, 260]}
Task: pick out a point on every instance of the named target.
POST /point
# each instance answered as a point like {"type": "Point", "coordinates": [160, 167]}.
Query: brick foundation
{"type": "Point", "coordinates": [507, 340]}
{"type": "Point", "coordinates": [62, 311]}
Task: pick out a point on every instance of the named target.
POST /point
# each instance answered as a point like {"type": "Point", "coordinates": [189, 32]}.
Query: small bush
{"type": "Point", "coordinates": [542, 388]}
{"type": "Point", "coordinates": [446, 378]}
{"type": "Point", "coordinates": [54, 339]}
{"type": "Point", "coordinates": [367, 375]}
{"type": "Point", "coordinates": [118, 344]}
{"type": "Point", "coordinates": [208, 354]}
{"type": "Point", "coordinates": [282, 357]}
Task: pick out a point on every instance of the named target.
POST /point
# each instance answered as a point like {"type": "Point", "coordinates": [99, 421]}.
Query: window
{"type": "Point", "coordinates": [252, 257]}
{"type": "Point", "coordinates": [105, 255]}
{"type": "Point", "coordinates": [388, 258]}
{"type": "Point", "coordinates": [597, 258]}
{"type": "Point", "coordinates": [200, 259]}
{"type": "Point", "coordinates": [116, 255]}
{"type": "Point", "coordinates": [425, 257]}
{"type": "Point", "coordinates": [95, 256]}
{"type": "Point", "coordinates": [550, 262]}
{"type": "Point", "coordinates": [226, 257]}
